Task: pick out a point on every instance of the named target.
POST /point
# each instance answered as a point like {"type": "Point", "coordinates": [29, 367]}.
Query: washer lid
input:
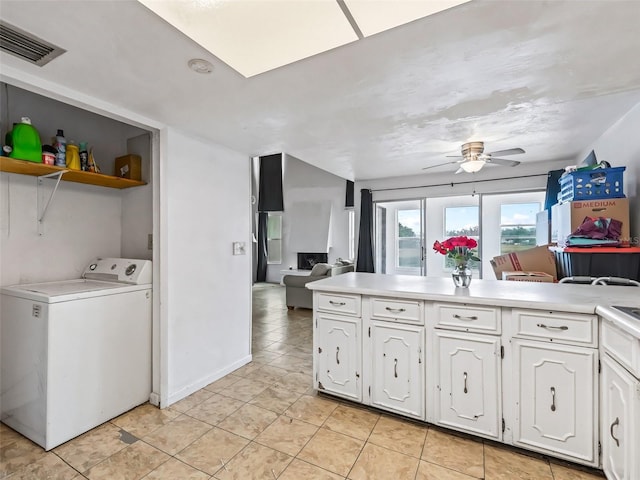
{"type": "Point", "coordinates": [54, 289]}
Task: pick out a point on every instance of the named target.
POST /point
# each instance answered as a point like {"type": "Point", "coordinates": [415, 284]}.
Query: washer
{"type": "Point", "coordinates": [75, 353]}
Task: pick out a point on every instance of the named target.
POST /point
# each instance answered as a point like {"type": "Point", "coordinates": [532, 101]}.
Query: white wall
{"type": "Point", "coordinates": [137, 204]}
{"type": "Point", "coordinates": [620, 147]}
{"type": "Point", "coordinates": [205, 207]}
{"type": "Point", "coordinates": [305, 183]}
{"type": "Point", "coordinates": [82, 223]}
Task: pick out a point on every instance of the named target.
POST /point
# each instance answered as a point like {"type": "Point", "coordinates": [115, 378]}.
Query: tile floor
{"type": "Point", "coordinates": [264, 422]}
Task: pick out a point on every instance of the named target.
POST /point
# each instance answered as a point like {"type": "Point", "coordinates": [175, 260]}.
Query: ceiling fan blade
{"type": "Point", "coordinates": [453, 156]}
{"type": "Point", "coordinates": [511, 151]}
{"type": "Point", "coordinates": [440, 164]}
{"type": "Point", "coordinates": [503, 162]}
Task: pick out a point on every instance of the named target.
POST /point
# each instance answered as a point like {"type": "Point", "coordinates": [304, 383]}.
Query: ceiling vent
{"type": "Point", "coordinates": [27, 46]}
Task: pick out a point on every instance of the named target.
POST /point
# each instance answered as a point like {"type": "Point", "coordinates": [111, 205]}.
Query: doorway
{"type": "Point", "coordinates": [399, 237]}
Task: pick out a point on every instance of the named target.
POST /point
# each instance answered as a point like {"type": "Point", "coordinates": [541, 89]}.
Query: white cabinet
{"type": "Point", "coordinates": [338, 353]}
{"type": "Point", "coordinates": [556, 399]}
{"type": "Point", "coordinates": [468, 386]}
{"type": "Point", "coordinates": [397, 371]}
{"type": "Point", "coordinates": [620, 425]}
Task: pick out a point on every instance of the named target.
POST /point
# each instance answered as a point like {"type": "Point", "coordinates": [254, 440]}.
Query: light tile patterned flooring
{"type": "Point", "coordinates": [264, 422]}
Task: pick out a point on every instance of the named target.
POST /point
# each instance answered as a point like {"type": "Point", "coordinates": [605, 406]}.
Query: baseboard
{"type": "Point", "coordinates": [154, 399]}
{"type": "Point", "coordinates": [203, 382]}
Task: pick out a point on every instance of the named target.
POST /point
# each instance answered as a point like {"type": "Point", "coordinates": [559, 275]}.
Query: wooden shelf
{"type": "Point", "coordinates": [23, 167]}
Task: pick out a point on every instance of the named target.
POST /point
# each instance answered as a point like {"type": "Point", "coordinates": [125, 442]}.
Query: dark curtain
{"type": "Point", "coordinates": [348, 199]}
{"type": "Point", "coordinates": [365, 241]}
{"type": "Point", "coordinates": [270, 184]}
{"type": "Point", "coordinates": [553, 189]}
{"type": "Point", "coordinates": [261, 275]}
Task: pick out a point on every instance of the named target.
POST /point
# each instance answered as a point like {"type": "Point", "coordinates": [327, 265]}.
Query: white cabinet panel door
{"type": "Point", "coordinates": [556, 399]}
{"type": "Point", "coordinates": [398, 381]}
{"type": "Point", "coordinates": [468, 389]}
{"type": "Point", "coordinates": [339, 357]}
{"type": "Point", "coordinates": [620, 416]}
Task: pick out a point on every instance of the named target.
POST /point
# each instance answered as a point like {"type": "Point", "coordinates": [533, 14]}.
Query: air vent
{"type": "Point", "coordinates": [27, 46]}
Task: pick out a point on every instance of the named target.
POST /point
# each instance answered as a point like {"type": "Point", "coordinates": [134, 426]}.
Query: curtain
{"type": "Point", "coordinates": [270, 184]}
{"type": "Point", "coordinates": [553, 189]}
{"type": "Point", "coordinates": [365, 240]}
{"type": "Point", "coordinates": [261, 275]}
{"type": "Point", "coordinates": [348, 199]}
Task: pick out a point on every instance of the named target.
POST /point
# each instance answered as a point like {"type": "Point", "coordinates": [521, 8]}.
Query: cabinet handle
{"type": "Point", "coordinates": [395, 367]}
{"type": "Point", "coordinates": [615, 423]}
{"type": "Point", "coordinates": [337, 357]}
{"type": "Point", "coordinates": [465, 382]}
{"type": "Point", "coordinates": [551, 327]}
{"type": "Point", "coordinates": [395, 310]}
{"type": "Point", "coordinates": [460, 317]}
{"type": "Point", "coordinates": [337, 304]}
{"type": "Point", "coordinates": [553, 399]}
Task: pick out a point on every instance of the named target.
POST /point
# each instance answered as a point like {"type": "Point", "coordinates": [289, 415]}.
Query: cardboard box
{"type": "Point", "coordinates": [527, 277]}
{"type": "Point", "coordinates": [537, 259]}
{"type": "Point", "coordinates": [566, 217]}
{"type": "Point", "coordinates": [129, 166]}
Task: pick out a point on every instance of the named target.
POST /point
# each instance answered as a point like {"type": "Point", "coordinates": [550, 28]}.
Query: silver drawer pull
{"type": "Point", "coordinates": [551, 327]}
{"type": "Point", "coordinates": [337, 304]}
{"type": "Point", "coordinates": [395, 310]}
{"type": "Point", "coordinates": [460, 317]}
{"type": "Point", "coordinates": [465, 383]}
{"type": "Point", "coordinates": [553, 399]}
{"type": "Point", "coordinates": [338, 355]}
{"type": "Point", "coordinates": [395, 367]}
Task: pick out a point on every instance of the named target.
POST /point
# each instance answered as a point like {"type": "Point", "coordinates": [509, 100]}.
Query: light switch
{"type": "Point", "coordinates": [239, 248]}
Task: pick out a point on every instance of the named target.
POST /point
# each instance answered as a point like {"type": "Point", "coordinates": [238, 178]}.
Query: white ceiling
{"type": "Point", "coordinates": [549, 77]}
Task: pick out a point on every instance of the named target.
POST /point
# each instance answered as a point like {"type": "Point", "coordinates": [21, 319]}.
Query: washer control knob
{"type": "Point", "coordinates": [130, 269]}
{"type": "Point", "coordinates": [93, 266]}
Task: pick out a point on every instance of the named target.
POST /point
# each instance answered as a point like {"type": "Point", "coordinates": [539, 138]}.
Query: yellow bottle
{"type": "Point", "coordinates": [73, 157]}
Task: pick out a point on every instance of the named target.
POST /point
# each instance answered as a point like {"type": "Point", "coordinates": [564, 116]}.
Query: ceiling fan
{"type": "Point", "coordinates": [473, 158]}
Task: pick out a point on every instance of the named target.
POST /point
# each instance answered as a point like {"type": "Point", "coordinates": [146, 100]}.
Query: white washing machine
{"type": "Point", "coordinates": [75, 353]}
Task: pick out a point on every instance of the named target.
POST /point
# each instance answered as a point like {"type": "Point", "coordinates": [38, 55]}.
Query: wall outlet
{"type": "Point", "coordinates": [150, 241]}
{"type": "Point", "coordinates": [239, 248]}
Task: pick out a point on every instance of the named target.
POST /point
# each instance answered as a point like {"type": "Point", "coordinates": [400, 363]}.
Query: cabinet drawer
{"type": "Point", "coordinates": [404, 311]}
{"type": "Point", "coordinates": [470, 318]}
{"type": "Point", "coordinates": [346, 304]}
{"type": "Point", "coordinates": [558, 327]}
{"type": "Point", "coordinates": [622, 346]}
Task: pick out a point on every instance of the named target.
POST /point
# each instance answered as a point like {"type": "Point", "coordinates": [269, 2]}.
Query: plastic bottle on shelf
{"type": "Point", "coordinates": [60, 144]}
{"type": "Point", "coordinates": [84, 157]}
{"type": "Point", "coordinates": [73, 156]}
{"type": "Point", "coordinates": [25, 141]}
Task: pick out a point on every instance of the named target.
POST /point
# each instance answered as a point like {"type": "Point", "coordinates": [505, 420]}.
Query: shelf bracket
{"type": "Point", "coordinates": [53, 192]}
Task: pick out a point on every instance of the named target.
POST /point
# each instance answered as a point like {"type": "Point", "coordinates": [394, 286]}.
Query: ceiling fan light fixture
{"type": "Point", "coordinates": [472, 166]}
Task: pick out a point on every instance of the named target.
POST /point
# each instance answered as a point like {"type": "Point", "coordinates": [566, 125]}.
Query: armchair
{"type": "Point", "coordinates": [296, 293]}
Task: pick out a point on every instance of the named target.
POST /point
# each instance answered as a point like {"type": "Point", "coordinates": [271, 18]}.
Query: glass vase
{"type": "Point", "coordinates": [461, 276]}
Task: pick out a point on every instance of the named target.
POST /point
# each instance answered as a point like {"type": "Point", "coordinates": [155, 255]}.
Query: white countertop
{"type": "Point", "coordinates": [552, 296]}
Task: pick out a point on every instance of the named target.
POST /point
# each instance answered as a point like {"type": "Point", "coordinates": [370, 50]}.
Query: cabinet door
{"type": "Point", "coordinates": [398, 380]}
{"type": "Point", "coordinates": [339, 355]}
{"type": "Point", "coordinates": [620, 422]}
{"type": "Point", "coordinates": [556, 399]}
{"type": "Point", "coordinates": [468, 386]}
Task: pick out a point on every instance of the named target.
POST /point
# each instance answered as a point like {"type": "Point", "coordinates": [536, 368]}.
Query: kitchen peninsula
{"type": "Point", "coordinates": [515, 362]}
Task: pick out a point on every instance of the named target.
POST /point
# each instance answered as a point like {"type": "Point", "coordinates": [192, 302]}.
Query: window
{"type": "Point", "coordinates": [352, 234]}
{"type": "Point", "coordinates": [408, 238]}
{"type": "Point", "coordinates": [463, 220]}
{"type": "Point", "coordinates": [274, 238]}
{"type": "Point", "coordinates": [518, 226]}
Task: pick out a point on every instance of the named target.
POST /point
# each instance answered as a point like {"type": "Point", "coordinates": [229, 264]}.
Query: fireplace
{"type": "Point", "coordinates": [306, 261]}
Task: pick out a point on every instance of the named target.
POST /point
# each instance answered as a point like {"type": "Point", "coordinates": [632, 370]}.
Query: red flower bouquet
{"type": "Point", "coordinates": [459, 249]}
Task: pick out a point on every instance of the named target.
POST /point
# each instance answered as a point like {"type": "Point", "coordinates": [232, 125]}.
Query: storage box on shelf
{"type": "Point", "coordinates": [567, 217]}
{"type": "Point", "coordinates": [598, 262]}
{"type": "Point", "coordinates": [592, 184]}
